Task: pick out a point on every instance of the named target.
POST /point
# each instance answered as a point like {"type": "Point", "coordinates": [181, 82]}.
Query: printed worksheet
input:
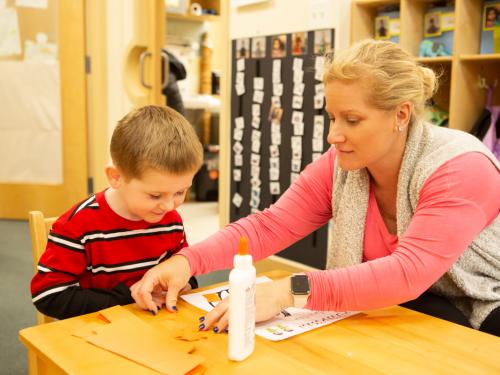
{"type": "Point", "coordinates": [290, 322]}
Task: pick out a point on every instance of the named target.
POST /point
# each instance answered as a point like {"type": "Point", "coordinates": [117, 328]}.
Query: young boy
{"type": "Point", "coordinates": [103, 245]}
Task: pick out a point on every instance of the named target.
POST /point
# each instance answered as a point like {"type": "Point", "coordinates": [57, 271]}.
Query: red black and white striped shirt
{"type": "Point", "coordinates": [94, 255]}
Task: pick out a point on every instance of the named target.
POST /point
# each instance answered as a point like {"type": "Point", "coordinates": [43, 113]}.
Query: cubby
{"type": "Point", "coordinates": [186, 28]}
{"type": "Point", "coordinates": [459, 92]}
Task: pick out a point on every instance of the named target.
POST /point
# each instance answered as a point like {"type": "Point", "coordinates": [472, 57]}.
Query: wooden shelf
{"type": "Point", "coordinates": [459, 92]}
{"type": "Point", "coordinates": [492, 57]}
{"type": "Point", "coordinates": [438, 59]}
{"type": "Point", "coordinates": [375, 3]}
{"type": "Point", "coordinates": [192, 17]}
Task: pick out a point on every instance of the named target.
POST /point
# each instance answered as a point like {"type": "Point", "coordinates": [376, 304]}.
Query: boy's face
{"type": "Point", "coordinates": [153, 195]}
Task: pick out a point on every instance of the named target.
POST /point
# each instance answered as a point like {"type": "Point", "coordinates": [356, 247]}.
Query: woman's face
{"type": "Point", "coordinates": [363, 135]}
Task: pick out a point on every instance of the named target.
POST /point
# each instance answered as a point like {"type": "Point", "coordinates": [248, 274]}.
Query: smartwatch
{"type": "Point", "coordinates": [299, 286]}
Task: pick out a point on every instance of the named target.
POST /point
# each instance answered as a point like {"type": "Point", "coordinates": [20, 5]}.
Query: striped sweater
{"type": "Point", "coordinates": [94, 255]}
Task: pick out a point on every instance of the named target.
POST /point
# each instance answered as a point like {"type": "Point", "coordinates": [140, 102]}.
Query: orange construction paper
{"type": "Point", "coordinates": [115, 313]}
{"type": "Point", "coordinates": [170, 327]}
{"type": "Point", "coordinates": [148, 330]}
{"type": "Point", "coordinates": [141, 343]}
{"type": "Point", "coordinates": [170, 316]}
{"type": "Point", "coordinates": [191, 335]}
{"type": "Point", "coordinates": [212, 297]}
{"type": "Point", "coordinates": [87, 330]}
{"type": "Point", "coordinates": [197, 370]}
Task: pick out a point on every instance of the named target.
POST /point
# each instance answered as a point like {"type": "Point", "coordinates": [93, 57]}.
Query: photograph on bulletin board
{"type": "Point", "coordinates": [299, 43]}
{"type": "Point", "coordinates": [432, 24]}
{"type": "Point", "coordinates": [382, 27]}
{"type": "Point", "coordinates": [275, 113]}
{"type": "Point", "coordinates": [259, 47]}
{"type": "Point", "coordinates": [278, 46]}
{"type": "Point", "coordinates": [491, 16]}
{"type": "Point", "coordinates": [243, 48]}
{"type": "Point", "coordinates": [322, 41]}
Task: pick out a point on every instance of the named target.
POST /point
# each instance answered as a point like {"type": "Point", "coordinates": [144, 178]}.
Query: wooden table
{"type": "Point", "coordinates": [390, 341]}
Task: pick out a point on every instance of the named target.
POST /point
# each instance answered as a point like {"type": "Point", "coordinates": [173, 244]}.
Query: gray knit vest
{"type": "Point", "coordinates": [472, 284]}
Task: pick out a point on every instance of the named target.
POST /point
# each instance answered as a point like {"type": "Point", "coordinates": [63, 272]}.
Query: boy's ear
{"type": "Point", "coordinates": [114, 176]}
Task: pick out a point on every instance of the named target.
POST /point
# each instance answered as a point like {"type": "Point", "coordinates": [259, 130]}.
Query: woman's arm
{"type": "Point", "coordinates": [303, 208]}
{"type": "Point", "coordinates": [452, 209]}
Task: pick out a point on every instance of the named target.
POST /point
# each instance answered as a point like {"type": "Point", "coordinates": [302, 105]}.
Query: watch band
{"type": "Point", "coordinates": [300, 300]}
{"type": "Point", "coordinates": [299, 296]}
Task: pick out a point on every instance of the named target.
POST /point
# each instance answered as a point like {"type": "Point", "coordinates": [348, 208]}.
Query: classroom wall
{"type": "Point", "coordinates": [286, 16]}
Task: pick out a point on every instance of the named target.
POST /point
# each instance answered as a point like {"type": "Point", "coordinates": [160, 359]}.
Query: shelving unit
{"type": "Point", "coordinates": [192, 18]}
{"type": "Point", "coordinates": [195, 26]}
{"type": "Point", "coordinates": [459, 90]}
{"type": "Point", "coordinates": [192, 27]}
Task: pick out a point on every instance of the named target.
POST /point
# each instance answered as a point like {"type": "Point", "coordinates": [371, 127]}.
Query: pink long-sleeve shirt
{"type": "Point", "coordinates": [456, 202]}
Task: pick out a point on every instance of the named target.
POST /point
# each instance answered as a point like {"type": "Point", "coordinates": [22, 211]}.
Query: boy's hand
{"type": "Point", "coordinates": [171, 276]}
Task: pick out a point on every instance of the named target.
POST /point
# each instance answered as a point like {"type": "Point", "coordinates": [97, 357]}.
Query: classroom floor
{"type": "Point", "coordinates": [16, 268]}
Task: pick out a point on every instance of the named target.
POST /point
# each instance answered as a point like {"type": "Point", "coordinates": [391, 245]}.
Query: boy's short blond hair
{"type": "Point", "coordinates": [155, 137]}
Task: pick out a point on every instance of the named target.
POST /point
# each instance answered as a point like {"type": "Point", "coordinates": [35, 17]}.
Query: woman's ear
{"type": "Point", "coordinates": [114, 176]}
{"type": "Point", "coordinates": [403, 114]}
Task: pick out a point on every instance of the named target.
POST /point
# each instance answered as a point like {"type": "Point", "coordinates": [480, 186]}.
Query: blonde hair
{"type": "Point", "coordinates": [155, 137]}
{"type": "Point", "coordinates": [391, 73]}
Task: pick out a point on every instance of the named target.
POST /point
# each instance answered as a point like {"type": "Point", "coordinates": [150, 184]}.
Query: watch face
{"type": "Point", "coordinates": [300, 284]}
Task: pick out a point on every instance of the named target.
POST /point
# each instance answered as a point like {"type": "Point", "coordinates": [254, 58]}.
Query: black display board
{"type": "Point", "coordinates": [312, 249]}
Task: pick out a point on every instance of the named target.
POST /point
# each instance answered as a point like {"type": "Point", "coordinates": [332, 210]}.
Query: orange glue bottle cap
{"type": "Point", "coordinates": [243, 246]}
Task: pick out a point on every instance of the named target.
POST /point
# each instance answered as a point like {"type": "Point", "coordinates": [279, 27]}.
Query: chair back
{"type": "Point", "coordinates": [39, 231]}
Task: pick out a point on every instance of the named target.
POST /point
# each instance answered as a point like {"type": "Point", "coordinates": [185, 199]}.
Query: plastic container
{"type": "Point", "coordinates": [242, 305]}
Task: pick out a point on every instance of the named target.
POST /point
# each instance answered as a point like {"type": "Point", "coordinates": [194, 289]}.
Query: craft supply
{"type": "Point", "coordinates": [242, 304]}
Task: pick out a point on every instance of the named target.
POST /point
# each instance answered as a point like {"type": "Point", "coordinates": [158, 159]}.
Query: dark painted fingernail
{"type": "Point", "coordinates": [216, 329]}
{"type": "Point", "coordinates": [201, 319]}
{"type": "Point", "coordinates": [201, 326]}
{"type": "Point", "coordinates": [159, 307]}
{"type": "Point", "coordinates": [174, 308]}
{"type": "Point", "coordinates": [152, 312]}
{"type": "Point", "coordinates": [226, 330]}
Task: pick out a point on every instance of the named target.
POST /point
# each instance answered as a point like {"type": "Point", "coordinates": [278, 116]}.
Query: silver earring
{"type": "Point", "coordinates": [400, 128]}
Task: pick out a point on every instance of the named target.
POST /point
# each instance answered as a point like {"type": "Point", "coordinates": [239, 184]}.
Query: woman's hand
{"type": "Point", "coordinates": [270, 299]}
{"type": "Point", "coordinates": [171, 276]}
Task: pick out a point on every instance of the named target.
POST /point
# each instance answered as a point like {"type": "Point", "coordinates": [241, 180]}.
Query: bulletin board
{"type": "Point", "coordinates": [278, 124]}
{"type": "Point", "coordinates": [32, 17]}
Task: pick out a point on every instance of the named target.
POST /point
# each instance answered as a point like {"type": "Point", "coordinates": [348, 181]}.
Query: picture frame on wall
{"type": "Point", "coordinates": [490, 27]}
{"type": "Point", "coordinates": [491, 16]}
{"type": "Point", "coordinates": [382, 28]}
{"type": "Point", "coordinates": [432, 24]}
{"type": "Point", "coordinates": [243, 48]}
{"type": "Point", "coordinates": [299, 43]}
{"type": "Point", "coordinates": [278, 46]}
{"type": "Point", "coordinates": [259, 47]}
{"type": "Point", "coordinates": [394, 27]}
{"type": "Point", "coordinates": [322, 41]}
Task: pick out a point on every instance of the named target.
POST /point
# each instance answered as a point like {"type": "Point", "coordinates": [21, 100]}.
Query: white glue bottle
{"type": "Point", "coordinates": [242, 304]}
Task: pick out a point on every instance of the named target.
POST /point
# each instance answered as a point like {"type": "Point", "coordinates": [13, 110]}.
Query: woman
{"type": "Point", "coordinates": [411, 223]}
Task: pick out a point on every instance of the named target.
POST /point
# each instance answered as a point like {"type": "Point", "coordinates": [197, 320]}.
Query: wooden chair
{"type": "Point", "coordinates": [39, 231]}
